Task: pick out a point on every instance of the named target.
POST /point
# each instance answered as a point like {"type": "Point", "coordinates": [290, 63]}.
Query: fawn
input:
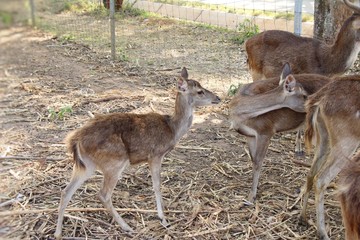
{"type": "Point", "coordinates": [111, 142]}
{"type": "Point", "coordinates": [263, 108]}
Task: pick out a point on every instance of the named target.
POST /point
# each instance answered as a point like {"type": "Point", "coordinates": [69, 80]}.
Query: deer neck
{"type": "Point", "coordinates": [344, 51]}
{"type": "Point", "coordinates": [252, 106]}
{"type": "Point", "coordinates": [183, 116]}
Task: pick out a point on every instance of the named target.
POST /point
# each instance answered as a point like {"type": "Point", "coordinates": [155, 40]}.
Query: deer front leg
{"type": "Point", "coordinates": [155, 169]}
{"type": "Point", "coordinates": [257, 146]}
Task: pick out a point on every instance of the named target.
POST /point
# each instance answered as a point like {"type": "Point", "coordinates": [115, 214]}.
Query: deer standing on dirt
{"type": "Point", "coordinates": [268, 51]}
{"type": "Point", "coordinates": [349, 194]}
{"type": "Point", "coordinates": [273, 112]}
{"type": "Point", "coordinates": [111, 142]}
{"type": "Point", "coordinates": [333, 119]}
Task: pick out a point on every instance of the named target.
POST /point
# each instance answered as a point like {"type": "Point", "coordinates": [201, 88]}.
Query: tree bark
{"type": "Point", "coordinates": [329, 16]}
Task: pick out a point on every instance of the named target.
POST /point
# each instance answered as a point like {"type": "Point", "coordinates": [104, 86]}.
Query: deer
{"type": "Point", "coordinates": [273, 112]}
{"type": "Point", "coordinates": [333, 123]}
{"type": "Point", "coordinates": [111, 142]}
{"type": "Point", "coordinates": [269, 50]}
{"type": "Point", "coordinates": [349, 196]}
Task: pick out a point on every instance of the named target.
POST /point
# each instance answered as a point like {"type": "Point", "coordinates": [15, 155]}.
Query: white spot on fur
{"type": "Point", "coordinates": [357, 114]}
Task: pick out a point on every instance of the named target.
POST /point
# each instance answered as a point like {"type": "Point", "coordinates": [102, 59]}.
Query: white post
{"type": "Point", "coordinates": [32, 9]}
{"type": "Point", "coordinates": [112, 28]}
{"type": "Point", "coordinates": [297, 17]}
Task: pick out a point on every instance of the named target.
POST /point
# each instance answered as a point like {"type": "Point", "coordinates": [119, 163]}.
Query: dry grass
{"type": "Point", "coordinates": [205, 179]}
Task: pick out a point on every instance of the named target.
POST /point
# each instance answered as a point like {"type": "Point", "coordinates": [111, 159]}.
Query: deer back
{"type": "Point", "coordinates": [118, 135]}
{"type": "Point", "coordinates": [279, 120]}
{"type": "Point", "coordinates": [268, 51]}
{"type": "Point", "coordinates": [328, 105]}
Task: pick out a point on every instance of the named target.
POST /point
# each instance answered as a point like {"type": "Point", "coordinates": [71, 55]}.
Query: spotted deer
{"type": "Point", "coordinates": [333, 123]}
{"type": "Point", "coordinates": [273, 111]}
{"type": "Point", "coordinates": [109, 143]}
{"type": "Point", "coordinates": [269, 50]}
{"type": "Point", "coordinates": [349, 194]}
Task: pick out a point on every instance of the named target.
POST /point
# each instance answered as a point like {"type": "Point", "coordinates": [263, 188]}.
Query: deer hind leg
{"type": "Point", "coordinates": [155, 169]}
{"type": "Point", "coordinates": [321, 153]}
{"type": "Point", "coordinates": [111, 177]}
{"type": "Point", "coordinates": [79, 176]}
{"type": "Point", "coordinates": [257, 146]}
{"type": "Point", "coordinates": [335, 162]}
{"type": "Point", "coordinates": [318, 161]}
{"type": "Point", "coordinates": [299, 152]}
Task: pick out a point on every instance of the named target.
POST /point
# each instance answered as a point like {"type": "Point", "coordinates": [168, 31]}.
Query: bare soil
{"type": "Point", "coordinates": [205, 179]}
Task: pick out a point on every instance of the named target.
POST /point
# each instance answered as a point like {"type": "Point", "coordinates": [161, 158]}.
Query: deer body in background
{"type": "Point", "coordinates": [259, 128]}
{"type": "Point", "coordinates": [268, 51]}
{"type": "Point", "coordinates": [333, 120]}
{"type": "Point", "coordinates": [111, 142]}
{"type": "Point", "coordinates": [349, 194]}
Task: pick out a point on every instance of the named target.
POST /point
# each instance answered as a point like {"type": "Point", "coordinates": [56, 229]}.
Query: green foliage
{"type": "Point", "coordinates": [246, 30]}
{"type": "Point", "coordinates": [233, 89]}
{"type": "Point", "coordinates": [66, 38]}
{"type": "Point", "coordinates": [121, 55]}
{"type": "Point", "coordinates": [59, 114]}
{"type": "Point", "coordinates": [73, 6]}
{"type": "Point", "coordinates": [129, 10]}
{"type": "Point", "coordinates": [6, 18]}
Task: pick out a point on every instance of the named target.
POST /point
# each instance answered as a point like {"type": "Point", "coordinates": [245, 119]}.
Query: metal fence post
{"type": "Point", "coordinates": [32, 9]}
{"type": "Point", "coordinates": [297, 17]}
{"type": "Point", "coordinates": [112, 28]}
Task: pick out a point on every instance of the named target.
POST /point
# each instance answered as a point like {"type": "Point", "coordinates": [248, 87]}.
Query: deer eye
{"type": "Point", "coordinates": [200, 92]}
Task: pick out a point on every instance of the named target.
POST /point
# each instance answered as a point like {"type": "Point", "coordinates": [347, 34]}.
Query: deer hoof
{"type": "Point", "coordinates": [303, 222]}
{"type": "Point", "coordinates": [323, 237]}
{"type": "Point", "coordinates": [300, 154]}
{"type": "Point", "coordinates": [165, 223]}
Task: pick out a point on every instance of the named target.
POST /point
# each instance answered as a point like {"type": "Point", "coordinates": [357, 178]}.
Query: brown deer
{"type": "Point", "coordinates": [349, 194]}
{"type": "Point", "coordinates": [111, 142]}
{"type": "Point", "coordinates": [259, 126]}
{"type": "Point", "coordinates": [334, 122]}
{"type": "Point", "coordinates": [268, 51]}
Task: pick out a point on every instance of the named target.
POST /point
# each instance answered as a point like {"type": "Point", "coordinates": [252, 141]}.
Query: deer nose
{"type": "Point", "coordinates": [217, 99]}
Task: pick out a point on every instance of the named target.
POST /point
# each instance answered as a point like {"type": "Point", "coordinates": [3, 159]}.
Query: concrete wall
{"type": "Point", "coordinates": [218, 18]}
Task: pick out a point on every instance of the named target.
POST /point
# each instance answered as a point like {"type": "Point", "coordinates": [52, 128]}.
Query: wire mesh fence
{"type": "Point", "coordinates": [87, 22]}
{"type": "Point", "coordinates": [83, 21]}
{"type": "Point", "coordinates": [271, 14]}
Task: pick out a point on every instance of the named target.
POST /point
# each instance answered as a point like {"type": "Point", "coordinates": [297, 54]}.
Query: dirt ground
{"type": "Point", "coordinates": [205, 179]}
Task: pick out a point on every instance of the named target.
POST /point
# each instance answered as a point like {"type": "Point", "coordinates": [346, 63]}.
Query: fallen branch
{"type": "Point", "coordinates": [107, 99]}
{"type": "Point", "coordinates": [301, 163]}
{"type": "Point", "coordinates": [33, 211]}
{"type": "Point", "coordinates": [210, 231]}
{"type": "Point", "coordinates": [29, 158]}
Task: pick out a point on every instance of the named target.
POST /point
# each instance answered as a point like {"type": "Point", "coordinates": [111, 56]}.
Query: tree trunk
{"type": "Point", "coordinates": [329, 16]}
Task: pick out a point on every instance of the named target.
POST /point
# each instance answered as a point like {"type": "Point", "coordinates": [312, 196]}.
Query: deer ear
{"type": "Point", "coordinates": [184, 73]}
{"type": "Point", "coordinates": [289, 84]}
{"type": "Point", "coordinates": [182, 84]}
{"type": "Point", "coordinates": [285, 72]}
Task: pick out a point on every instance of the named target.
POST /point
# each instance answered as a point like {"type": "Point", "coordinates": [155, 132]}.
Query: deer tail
{"type": "Point", "coordinates": [312, 112]}
{"type": "Point", "coordinates": [73, 147]}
